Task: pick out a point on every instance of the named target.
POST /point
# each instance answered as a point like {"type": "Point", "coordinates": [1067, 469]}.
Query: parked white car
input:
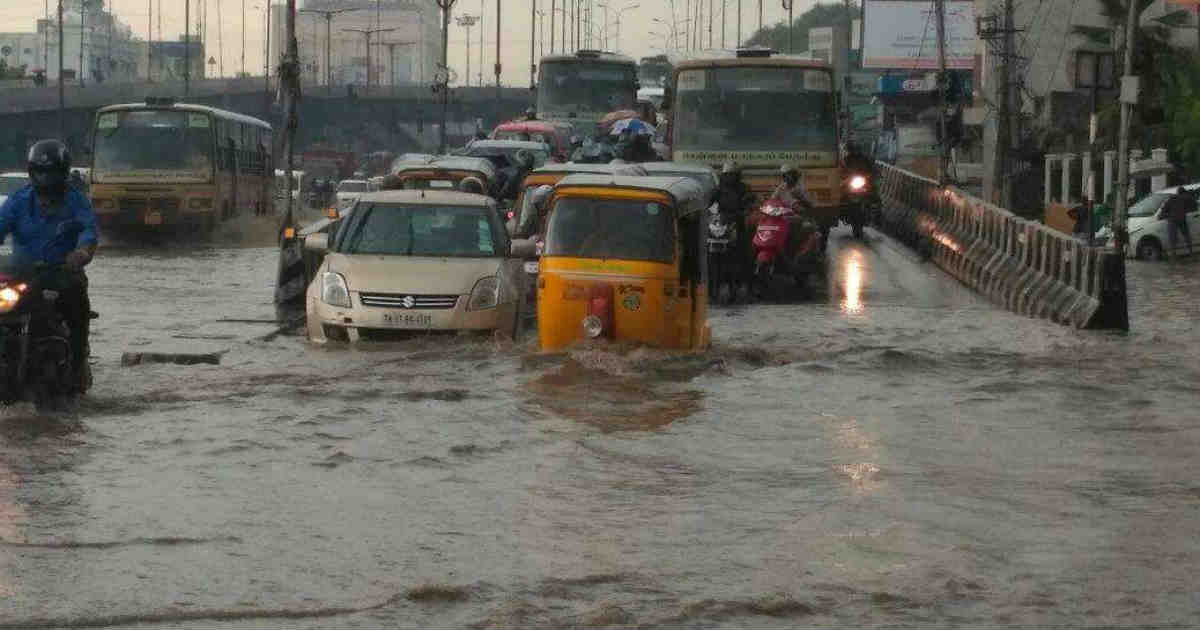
{"type": "Point", "coordinates": [11, 183]}
{"type": "Point", "coordinates": [1148, 231]}
{"type": "Point", "coordinates": [416, 260]}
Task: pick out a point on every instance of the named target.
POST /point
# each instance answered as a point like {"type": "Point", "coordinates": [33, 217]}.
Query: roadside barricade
{"type": "Point", "coordinates": [1021, 265]}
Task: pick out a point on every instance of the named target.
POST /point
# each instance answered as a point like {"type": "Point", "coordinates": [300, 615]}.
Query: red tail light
{"type": "Point", "coordinates": [600, 306]}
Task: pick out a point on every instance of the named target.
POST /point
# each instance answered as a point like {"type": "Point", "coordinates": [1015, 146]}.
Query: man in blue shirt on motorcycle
{"type": "Point", "coordinates": [53, 223]}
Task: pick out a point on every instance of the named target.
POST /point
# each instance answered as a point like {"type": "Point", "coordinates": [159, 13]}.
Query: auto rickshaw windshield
{"type": "Point", "coordinates": [625, 229]}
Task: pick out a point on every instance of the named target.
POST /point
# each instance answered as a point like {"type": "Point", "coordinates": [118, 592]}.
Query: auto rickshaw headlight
{"type": "Point", "coordinates": [858, 183]}
{"type": "Point", "coordinates": [8, 299]}
{"type": "Point", "coordinates": [334, 291]}
{"type": "Point", "coordinates": [717, 228]}
{"type": "Point", "coordinates": [593, 326]}
{"type": "Point", "coordinates": [485, 295]}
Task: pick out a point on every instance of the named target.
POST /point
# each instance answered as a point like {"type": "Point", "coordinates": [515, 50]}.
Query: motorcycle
{"type": "Point", "coordinates": [780, 250]}
{"type": "Point", "coordinates": [724, 257]}
{"type": "Point", "coordinates": [36, 362]}
{"type": "Point", "coordinates": [857, 211]}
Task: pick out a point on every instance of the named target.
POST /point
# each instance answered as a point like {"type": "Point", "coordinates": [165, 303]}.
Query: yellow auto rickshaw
{"type": "Point", "coordinates": [523, 222]}
{"type": "Point", "coordinates": [624, 260]}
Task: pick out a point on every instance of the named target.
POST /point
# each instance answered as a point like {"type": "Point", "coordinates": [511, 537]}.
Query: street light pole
{"type": "Point", "coordinates": [467, 21]}
{"type": "Point", "coordinates": [532, 44]}
{"type": "Point", "coordinates": [498, 64]}
{"type": "Point", "coordinates": [443, 76]}
{"type": "Point", "coordinates": [62, 96]}
{"type": "Point", "coordinates": [328, 15]}
{"type": "Point", "coordinates": [553, 8]}
{"type": "Point", "coordinates": [367, 33]}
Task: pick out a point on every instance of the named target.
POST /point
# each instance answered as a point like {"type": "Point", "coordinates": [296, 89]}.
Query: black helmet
{"type": "Point", "coordinates": [49, 164]}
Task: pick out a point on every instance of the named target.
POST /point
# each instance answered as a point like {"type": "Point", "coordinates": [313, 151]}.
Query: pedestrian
{"type": "Point", "coordinates": [1082, 214]}
{"type": "Point", "coordinates": [1176, 211]}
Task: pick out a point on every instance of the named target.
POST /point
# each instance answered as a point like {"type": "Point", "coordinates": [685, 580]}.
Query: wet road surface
{"type": "Point", "coordinates": [896, 451]}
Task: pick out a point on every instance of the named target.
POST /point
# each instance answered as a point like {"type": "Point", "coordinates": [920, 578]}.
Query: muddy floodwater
{"type": "Point", "coordinates": [896, 451]}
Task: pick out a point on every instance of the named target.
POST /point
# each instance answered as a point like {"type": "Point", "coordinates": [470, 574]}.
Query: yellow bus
{"type": "Point", "coordinates": [162, 165]}
{"type": "Point", "coordinates": [582, 88]}
{"type": "Point", "coordinates": [760, 110]}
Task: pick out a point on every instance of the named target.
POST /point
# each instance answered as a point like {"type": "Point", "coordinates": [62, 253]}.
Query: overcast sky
{"type": "Point", "coordinates": [636, 26]}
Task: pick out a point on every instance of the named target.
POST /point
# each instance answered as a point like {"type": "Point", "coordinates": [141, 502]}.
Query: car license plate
{"type": "Point", "coordinates": [532, 267]}
{"type": "Point", "coordinates": [408, 320]}
{"type": "Point", "coordinates": [153, 218]}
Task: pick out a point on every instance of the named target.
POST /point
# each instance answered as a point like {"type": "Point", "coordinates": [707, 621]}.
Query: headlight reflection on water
{"type": "Point", "coordinates": [852, 284]}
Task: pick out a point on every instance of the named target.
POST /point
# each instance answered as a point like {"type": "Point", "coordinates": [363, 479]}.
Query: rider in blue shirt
{"type": "Point", "coordinates": [39, 217]}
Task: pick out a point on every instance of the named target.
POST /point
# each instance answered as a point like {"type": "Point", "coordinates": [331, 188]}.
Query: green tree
{"type": "Point", "coordinates": [822, 14]}
{"type": "Point", "coordinates": [1181, 109]}
{"type": "Point", "coordinates": [7, 72]}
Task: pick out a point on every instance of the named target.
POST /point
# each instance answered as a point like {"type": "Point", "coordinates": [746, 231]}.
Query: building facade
{"type": "Point", "coordinates": [415, 42]}
{"type": "Point", "coordinates": [94, 40]}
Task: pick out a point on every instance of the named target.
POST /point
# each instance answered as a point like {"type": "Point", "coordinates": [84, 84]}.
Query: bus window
{"type": "Point", "coordinates": [153, 143]}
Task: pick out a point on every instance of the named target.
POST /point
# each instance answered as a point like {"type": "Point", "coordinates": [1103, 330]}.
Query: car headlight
{"type": "Point", "coordinates": [334, 291]}
{"type": "Point", "coordinates": [8, 299]}
{"type": "Point", "coordinates": [717, 229]}
{"type": "Point", "coordinates": [485, 295]}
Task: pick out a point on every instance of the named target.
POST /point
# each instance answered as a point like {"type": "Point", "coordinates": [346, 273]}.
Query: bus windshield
{"type": "Point", "coordinates": [585, 89]}
{"type": "Point", "coordinates": [755, 110]}
{"type": "Point", "coordinates": [153, 145]}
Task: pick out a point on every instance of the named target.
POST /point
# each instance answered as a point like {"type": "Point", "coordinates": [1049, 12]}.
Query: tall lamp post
{"type": "Point", "coordinates": [328, 15]}
{"type": "Point", "coordinates": [532, 44]}
{"type": "Point", "coordinates": [467, 21]}
{"type": "Point", "coordinates": [619, 13]}
{"type": "Point", "coordinates": [367, 33]}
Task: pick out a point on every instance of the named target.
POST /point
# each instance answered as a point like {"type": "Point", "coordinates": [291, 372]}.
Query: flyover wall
{"type": "Point", "coordinates": [1018, 264]}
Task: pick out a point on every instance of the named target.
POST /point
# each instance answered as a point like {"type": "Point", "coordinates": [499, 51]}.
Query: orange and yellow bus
{"type": "Point", "coordinates": [170, 166]}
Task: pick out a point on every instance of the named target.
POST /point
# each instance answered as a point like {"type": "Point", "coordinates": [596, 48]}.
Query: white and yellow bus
{"type": "Point", "coordinates": [169, 166]}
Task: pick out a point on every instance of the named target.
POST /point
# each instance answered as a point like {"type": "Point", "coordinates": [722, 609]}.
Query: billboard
{"type": "Point", "coordinates": [902, 34]}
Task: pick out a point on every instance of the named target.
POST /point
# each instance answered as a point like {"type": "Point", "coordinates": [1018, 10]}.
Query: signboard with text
{"type": "Point", "coordinates": [902, 34]}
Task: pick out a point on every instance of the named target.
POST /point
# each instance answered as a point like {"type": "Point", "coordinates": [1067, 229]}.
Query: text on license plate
{"type": "Point", "coordinates": [408, 320]}
{"type": "Point", "coordinates": [532, 267]}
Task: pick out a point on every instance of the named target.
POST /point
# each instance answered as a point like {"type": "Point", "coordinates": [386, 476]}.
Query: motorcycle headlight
{"type": "Point", "coordinates": [858, 183]}
{"type": "Point", "coordinates": [717, 229]}
{"type": "Point", "coordinates": [334, 291]}
{"type": "Point", "coordinates": [8, 299]}
{"type": "Point", "coordinates": [485, 295]}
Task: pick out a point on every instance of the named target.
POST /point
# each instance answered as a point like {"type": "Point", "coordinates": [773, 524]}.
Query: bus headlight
{"type": "Point", "coordinates": [8, 299]}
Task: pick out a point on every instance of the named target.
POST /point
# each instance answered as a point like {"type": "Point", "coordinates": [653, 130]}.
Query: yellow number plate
{"type": "Point", "coordinates": [154, 218]}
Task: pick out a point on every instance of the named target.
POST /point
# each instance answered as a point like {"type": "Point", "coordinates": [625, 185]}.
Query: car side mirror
{"type": "Point", "coordinates": [523, 248]}
{"type": "Point", "coordinates": [317, 243]}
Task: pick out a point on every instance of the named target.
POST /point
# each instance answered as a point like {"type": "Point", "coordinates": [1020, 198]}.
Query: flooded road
{"type": "Point", "coordinates": [896, 452]}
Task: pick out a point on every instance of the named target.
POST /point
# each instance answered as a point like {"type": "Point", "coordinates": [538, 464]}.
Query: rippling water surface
{"type": "Point", "coordinates": [896, 452]}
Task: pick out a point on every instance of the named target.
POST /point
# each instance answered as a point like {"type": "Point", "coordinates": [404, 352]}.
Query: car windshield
{"type": "Point", "coordinates": [1148, 206]}
{"type": "Point", "coordinates": [585, 88]}
{"type": "Point", "coordinates": [352, 186]}
{"type": "Point", "coordinates": [755, 109]}
{"type": "Point", "coordinates": [402, 230]}
{"type": "Point", "coordinates": [605, 228]}
{"type": "Point", "coordinates": [155, 145]}
{"type": "Point", "coordinates": [10, 184]}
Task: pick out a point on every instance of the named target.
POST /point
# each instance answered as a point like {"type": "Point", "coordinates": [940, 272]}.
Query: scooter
{"type": "Point", "coordinates": [857, 211]}
{"type": "Point", "coordinates": [780, 250]}
{"type": "Point", "coordinates": [724, 258]}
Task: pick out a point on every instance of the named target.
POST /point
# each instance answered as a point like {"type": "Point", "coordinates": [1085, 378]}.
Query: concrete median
{"type": "Point", "coordinates": [1021, 265]}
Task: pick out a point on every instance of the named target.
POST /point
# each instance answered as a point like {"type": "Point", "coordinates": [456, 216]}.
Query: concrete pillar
{"type": "Point", "coordinates": [1159, 182]}
{"type": "Point", "coordinates": [1085, 177]}
{"type": "Point", "coordinates": [1066, 178]}
{"type": "Point", "coordinates": [1050, 158]}
{"type": "Point", "coordinates": [1110, 159]}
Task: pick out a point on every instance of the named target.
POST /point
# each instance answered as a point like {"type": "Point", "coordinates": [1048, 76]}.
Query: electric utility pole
{"type": "Point", "coordinates": [62, 97]}
{"type": "Point", "coordinates": [467, 21]}
{"type": "Point", "coordinates": [944, 146]}
{"type": "Point", "coordinates": [997, 182]}
{"type": "Point", "coordinates": [289, 84]}
{"type": "Point", "coordinates": [187, 47]}
{"type": "Point", "coordinates": [532, 44]}
{"type": "Point", "coordinates": [328, 15]}
{"type": "Point", "coordinates": [442, 79]}
{"type": "Point", "coordinates": [1129, 95]}
{"type": "Point", "coordinates": [498, 64]}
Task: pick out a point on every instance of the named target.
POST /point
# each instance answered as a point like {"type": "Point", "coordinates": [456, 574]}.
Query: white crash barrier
{"type": "Point", "coordinates": [1021, 265]}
